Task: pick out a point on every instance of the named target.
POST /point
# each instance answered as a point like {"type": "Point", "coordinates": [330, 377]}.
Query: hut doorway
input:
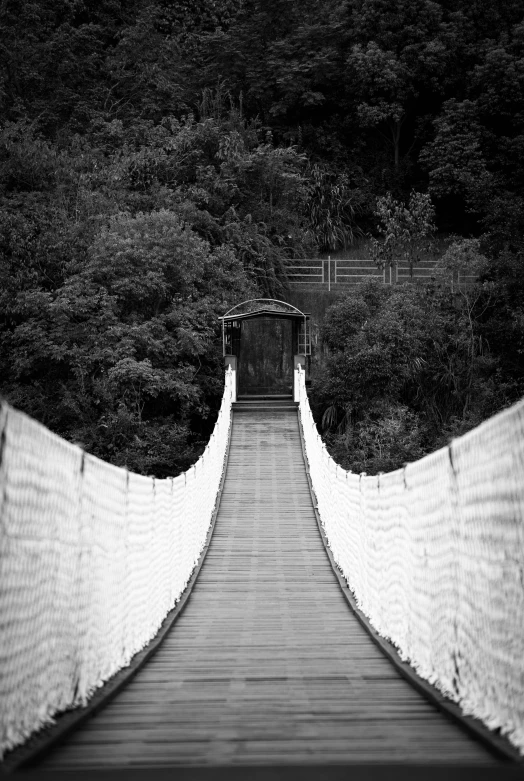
{"type": "Point", "coordinates": [265, 335]}
{"type": "Point", "coordinates": [265, 361]}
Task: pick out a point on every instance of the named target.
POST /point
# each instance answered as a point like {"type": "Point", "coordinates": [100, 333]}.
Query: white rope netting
{"type": "Point", "coordinates": [92, 558]}
{"type": "Point", "coordinates": [434, 555]}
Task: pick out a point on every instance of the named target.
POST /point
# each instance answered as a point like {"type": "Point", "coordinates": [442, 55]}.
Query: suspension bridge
{"type": "Point", "coordinates": [265, 608]}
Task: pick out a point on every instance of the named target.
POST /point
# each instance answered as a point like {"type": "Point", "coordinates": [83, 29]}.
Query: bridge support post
{"type": "Point", "coordinates": [298, 360]}
{"type": "Point", "coordinates": [231, 360]}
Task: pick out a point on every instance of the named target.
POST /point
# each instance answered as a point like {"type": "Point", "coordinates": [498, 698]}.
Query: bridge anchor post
{"type": "Point", "coordinates": [231, 360]}
{"type": "Point", "coordinates": [298, 360]}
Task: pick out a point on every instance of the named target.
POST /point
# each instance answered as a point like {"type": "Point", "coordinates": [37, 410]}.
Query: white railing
{"type": "Point", "coordinates": [306, 271]}
{"type": "Point", "coordinates": [434, 555]}
{"type": "Point", "coordinates": [334, 272]}
{"type": "Point", "coordinates": [92, 560]}
{"type": "Point", "coordinates": [339, 273]}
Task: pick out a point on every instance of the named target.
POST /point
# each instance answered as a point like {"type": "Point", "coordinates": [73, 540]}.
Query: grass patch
{"type": "Point", "coordinates": [361, 250]}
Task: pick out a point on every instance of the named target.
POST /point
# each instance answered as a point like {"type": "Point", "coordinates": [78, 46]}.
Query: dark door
{"type": "Point", "coordinates": [265, 362]}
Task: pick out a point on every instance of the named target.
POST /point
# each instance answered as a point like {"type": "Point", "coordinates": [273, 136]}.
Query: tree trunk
{"type": "Point", "coordinates": [395, 126]}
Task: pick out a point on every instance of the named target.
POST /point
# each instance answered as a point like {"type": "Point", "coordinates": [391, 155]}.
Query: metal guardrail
{"type": "Point", "coordinates": [350, 272]}
{"type": "Point", "coordinates": [329, 272]}
{"type": "Point", "coordinates": [306, 271]}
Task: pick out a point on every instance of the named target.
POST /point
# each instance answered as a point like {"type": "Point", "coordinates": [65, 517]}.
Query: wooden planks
{"type": "Point", "coordinates": [267, 665]}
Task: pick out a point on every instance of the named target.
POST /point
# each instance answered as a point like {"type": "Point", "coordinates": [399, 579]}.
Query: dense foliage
{"type": "Point", "coordinates": [160, 160]}
{"type": "Point", "coordinates": [410, 366]}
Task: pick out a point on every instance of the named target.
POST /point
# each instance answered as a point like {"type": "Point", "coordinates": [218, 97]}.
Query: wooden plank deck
{"type": "Point", "coordinates": [267, 665]}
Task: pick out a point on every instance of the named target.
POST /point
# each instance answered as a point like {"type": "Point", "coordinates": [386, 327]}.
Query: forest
{"type": "Point", "coordinates": [161, 160]}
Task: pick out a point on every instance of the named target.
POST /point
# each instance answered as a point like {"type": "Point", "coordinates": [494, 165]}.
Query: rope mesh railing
{"type": "Point", "coordinates": [434, 555]}
{"type": "Point", "coordinates": [92, 559]}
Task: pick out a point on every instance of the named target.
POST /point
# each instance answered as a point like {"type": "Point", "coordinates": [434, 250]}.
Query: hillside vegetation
{"type": "Point", "coordinates": [160, 161]}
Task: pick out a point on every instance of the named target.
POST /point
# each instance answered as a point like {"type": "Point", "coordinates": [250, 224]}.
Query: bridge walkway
{"type": "Point", "coordinates": [267, 665]}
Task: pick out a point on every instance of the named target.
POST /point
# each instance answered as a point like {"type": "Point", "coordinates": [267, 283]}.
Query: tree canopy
{"type": "Point", "coordinates": [160, 159]}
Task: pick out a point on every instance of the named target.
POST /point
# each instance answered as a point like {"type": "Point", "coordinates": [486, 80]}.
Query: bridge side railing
{"type": "Point", "coordinates": [92, 558]}
{"type": "Point", "coordinates": [434, 555]}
